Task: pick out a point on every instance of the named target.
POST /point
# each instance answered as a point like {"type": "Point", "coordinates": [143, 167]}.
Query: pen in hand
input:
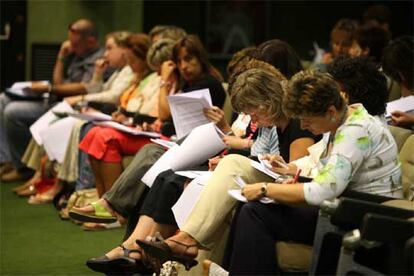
{"type": "Point", "coordinates": [297, 176]}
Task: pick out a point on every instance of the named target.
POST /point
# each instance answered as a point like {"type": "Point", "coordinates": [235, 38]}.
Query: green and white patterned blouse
{"type": "Point", "coordinates": [364, 157]}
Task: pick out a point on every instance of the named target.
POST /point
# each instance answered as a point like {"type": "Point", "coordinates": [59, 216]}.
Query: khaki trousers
{"type": "Point", "coordinates": [33, 154]}
{"type": "Point", "coordinates": [207, 221]}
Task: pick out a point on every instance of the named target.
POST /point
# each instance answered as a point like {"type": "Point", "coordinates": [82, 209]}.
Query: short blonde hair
{"type": "Point", "coordinates": [120, 38]}
{"type": "Point", "coordinates": [259, 88]}
{"type": "Point", "coordinates": [159, 52]}
{"type": "Point", "coordinates": [311, 93]}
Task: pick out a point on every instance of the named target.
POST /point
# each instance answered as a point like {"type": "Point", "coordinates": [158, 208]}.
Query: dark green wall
{"type": "Point", "coordinates": [47, 21]}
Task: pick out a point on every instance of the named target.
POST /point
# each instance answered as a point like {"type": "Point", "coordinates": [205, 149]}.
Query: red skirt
{"type": "Point", "coordinates": [109, 145]}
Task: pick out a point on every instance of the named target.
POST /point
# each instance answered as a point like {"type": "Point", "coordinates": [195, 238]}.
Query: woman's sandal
{"type": "Point", "coordinates": [124, 265]}
{"type": "Point", "coordinates": [99, 214]}
{"type": "Point", "coordinates": [162, 251]}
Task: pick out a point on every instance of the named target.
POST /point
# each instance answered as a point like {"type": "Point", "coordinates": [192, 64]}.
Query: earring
{"type": "Point", "coordinates": [333, 119]}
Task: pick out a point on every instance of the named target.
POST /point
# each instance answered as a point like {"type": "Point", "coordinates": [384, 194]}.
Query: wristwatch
{"type": "Point", "coordinates": [263, 189]}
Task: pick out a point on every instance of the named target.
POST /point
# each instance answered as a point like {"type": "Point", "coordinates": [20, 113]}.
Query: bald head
{"type": "Point", "coordinates": [83, 36]}
{"type": "Point", "coordinates": [84, 27]}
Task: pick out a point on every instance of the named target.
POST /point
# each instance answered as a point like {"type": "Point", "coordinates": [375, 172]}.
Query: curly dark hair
{"type": "Point", "coordinates": [398, 59]}
{"type": "Point", "coordinates": [362, 81]}
{"type": "Point", "coordinates": [311, 93]}
{"type": "Point", "coordinates": [280, 55]}
{"type": "Point", "coordinates": [373, 37]}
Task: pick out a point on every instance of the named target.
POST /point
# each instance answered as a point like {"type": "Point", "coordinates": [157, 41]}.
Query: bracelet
{"type": "Point", "coordinates": [263, 189]}
{"type": "Point", "coordinates": [61, 59]}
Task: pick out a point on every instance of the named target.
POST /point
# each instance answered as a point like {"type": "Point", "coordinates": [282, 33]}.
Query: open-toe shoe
{"type": "Point", "coordinates": [99, 214]}
{"type": "Point", "coordinates": [161, 251]}
{"type": "Point", "coordinates": [124, 265]}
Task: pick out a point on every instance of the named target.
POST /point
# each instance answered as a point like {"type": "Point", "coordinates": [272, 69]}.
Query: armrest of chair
{"type": "Point", "coordinates": [350, 212]}
{"type": "Point", "coordinates": [382, 228]}
{"type": "Point", "coordinates": [365, 196]}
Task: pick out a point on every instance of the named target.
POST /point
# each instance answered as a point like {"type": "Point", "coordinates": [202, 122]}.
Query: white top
{"type": "Point", "coordinates": [111, 90]}
{"type": "Point", "coordinates": [364, 157]}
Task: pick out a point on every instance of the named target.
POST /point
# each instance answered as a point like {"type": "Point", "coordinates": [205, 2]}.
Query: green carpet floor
{"type": "Point", "coordinates": [34, 241]}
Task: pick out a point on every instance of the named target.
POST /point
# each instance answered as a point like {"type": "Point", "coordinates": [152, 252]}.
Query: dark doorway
{"type": "Point", "coordinates": [13, 42]}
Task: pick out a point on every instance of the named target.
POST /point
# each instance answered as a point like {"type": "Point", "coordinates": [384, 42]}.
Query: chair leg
{"type": "Point", "coordinates": [346, 262]}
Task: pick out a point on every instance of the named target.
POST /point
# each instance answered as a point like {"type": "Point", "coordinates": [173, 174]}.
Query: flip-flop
{"type": "Point", "coordinates": [99, 215]}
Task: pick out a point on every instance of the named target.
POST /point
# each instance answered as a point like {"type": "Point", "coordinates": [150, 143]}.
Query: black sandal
{"type": "Point", "coordinates": [163, 252]}
{"type": "Point", "coordinates": [124, 265]}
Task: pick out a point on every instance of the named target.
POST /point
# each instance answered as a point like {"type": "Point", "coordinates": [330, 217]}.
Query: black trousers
{"type": "Point", "coordinates": [164, 193]}
{"type": "Point", "coordinates": [259, 226]}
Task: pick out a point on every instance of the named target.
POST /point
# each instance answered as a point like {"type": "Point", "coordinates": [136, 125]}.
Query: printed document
{"type": "Point", "coordinates": [127, 129]}
{"type": "Point", "coordinates": [188, 199]}
{"type": "Point", "coordinates": [405, 104]}
{"type": "Point", "coordinates": [56, 138]}
{"type": "Point", "coordinates": [91, 116]}
{"type": "Point", "coordinates": [187, 110]}
{"type": "Point", "coordinates": [47, 119]}
{"type": "Point", "coordinates": [23, 90]}
{"type": "Point", "coordinates": [162, 164]}
{"type": "Point", "coordinates": [201, 144]}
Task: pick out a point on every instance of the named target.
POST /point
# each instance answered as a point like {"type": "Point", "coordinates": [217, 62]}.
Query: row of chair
{"type": "Point", "coordinates": [357, 225]}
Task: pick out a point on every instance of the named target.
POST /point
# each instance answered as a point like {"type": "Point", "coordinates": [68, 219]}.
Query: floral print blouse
{"type": "Point", "coordinates": [364, 157]}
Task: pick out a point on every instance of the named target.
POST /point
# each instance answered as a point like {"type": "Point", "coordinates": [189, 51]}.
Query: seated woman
{"type": "Point", "coordinates": [98, 91]}
{"type": "Point", "coordinates": [190, 58]}
{"type": "Point", "coordinates": [105, 145]}
{"type": "Point", "coordinates": [361, 155]}
{"type": "Point", "coordinates": [395, 63]}
{"type": "Point", "coordinates": [369, 40]}
{"type": "Point", "coordinates": [340, 42]}
{"type": "Point", "coordinates": [257, 92]}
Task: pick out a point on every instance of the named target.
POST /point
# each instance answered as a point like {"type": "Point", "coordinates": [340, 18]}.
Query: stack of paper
{"type": "Point", "coordinates": [405, 104]}
{"type": "Point", "coordinates": [91, 116]}
{"type": "Point", "coordinates": [127, 129]}
{"type": "Point", "coordinates": [23, 90]}
{"type": "Point", "coordinates": [55, 138]}
{"type": "Point", "coordinates": [187, 110]}
{"type": "Point", "coordinates": [189, 154]}
{"type": "Point", "coordinates": [47, 119]}
{"type": "Point", "coordinates": [188, 199]}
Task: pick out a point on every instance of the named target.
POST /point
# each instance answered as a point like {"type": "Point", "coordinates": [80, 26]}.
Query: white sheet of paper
{"type": "Point", "coordinates": [162, 164]}
{"type": "Point", "coordinates": [201, 144]}
{"type": "Point", "coordinates": [193, 174]}
{"type": "Point", "coordinates": [48, 118]}
{"type": "Point", "coordinates": [188, 199]}
{"type": "Point", "coordinates": [126, 129]}
{"type": "Point", "coordinates": [187, 110]}
{"type": "Point", "coordinates": [23, 89]}
{"type": "Point", "coordinates": [91, 116]}
{"type": "Point", "coordinates": [236, 194]}
{"type": "Point", "coordinates": [56, 137]}
{"type": "Point", "coordinates": [405, 104]}
{"type": "Point", "coordinates": [164, 143]}
{"type": "Point", "coordinates": [263, 169]}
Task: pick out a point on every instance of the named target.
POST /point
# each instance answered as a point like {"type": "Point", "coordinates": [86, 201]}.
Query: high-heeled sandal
{"type": "Point", "coordinates": [163, 252]}
{"type": "Point", "coordinates": [124, 265]}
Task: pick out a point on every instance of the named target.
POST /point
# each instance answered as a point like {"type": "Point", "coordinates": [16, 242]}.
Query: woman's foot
{"type": "Point", "coordinates": [6, 167]}
{"type": "Point", "coordinates": [31, 182]}
{"type": "Point", "coordinates": [181, 248]}
{"type": "Point", "coordinates": [122, 260]}
{"type": "Point", "coordinates": [183, 244]}
{"type": "Point", "coordinates": [46, 197]}
{"type": "Point", "coordinates": [119, 252]}
{"type": "Point", "coordinates": [99, 212]}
